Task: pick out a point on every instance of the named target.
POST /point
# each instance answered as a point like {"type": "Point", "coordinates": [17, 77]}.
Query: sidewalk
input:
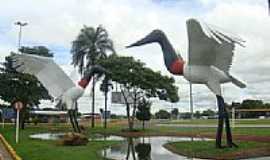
{"type": "Point", "coordinates": [4, 154]}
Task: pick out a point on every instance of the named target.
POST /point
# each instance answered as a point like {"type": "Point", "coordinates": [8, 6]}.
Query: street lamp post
{"type": "Point", "coordinates": [20, 24]}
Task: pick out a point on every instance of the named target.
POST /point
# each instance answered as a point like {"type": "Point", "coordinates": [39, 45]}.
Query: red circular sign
{"type": "Point", "coordinates": [18, 105]}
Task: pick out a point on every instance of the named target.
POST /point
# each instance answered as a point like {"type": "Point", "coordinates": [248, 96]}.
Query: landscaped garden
{"type": "Point", "coordinates": [252, 142]}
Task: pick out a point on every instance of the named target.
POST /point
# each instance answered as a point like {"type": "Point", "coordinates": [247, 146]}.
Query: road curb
{"type": "Point", "coordinates": [9, 148]}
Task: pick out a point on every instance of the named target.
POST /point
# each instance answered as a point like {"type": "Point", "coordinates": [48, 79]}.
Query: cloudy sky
{"type": "Point", "coordinates": [56, 24]}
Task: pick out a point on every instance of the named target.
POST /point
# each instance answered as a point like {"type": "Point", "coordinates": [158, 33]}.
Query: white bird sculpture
{"type": "Point", "coordinates": [210, 57]}
{"type": "Point", "coordinates": [54, 79]}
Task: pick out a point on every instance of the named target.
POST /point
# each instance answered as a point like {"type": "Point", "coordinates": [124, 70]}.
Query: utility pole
{"type": "Point", "coordinates": [20, 24]}
{"type": "Point", "coordinates": [269, 7]}
{"type": "Point", "coordinates": [191, 100]}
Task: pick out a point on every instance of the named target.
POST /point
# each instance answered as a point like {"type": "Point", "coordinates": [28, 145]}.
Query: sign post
{"type": "Point", "coordinates": [3, 119]}
{"type": "Point", "coordinates": [233, 117]}
{"type": "Point", "coordinates": [18, 107]}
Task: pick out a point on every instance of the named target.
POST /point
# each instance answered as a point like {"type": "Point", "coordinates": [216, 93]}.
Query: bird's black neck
{"type": "Point", "coordinates": [169, 53]}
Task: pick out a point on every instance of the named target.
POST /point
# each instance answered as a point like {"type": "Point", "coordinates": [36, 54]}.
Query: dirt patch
{"type": "Point", "coordinates": [250, 153]}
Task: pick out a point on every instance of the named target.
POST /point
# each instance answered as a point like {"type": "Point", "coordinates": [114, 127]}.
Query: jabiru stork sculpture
{"type": "Point", "coordinates": [210, 58]}
{"type": "Point", "coordinates": [54, 79]}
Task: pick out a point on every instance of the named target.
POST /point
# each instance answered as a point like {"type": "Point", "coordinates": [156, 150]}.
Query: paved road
{"type": "Point", "coordinates": [210, 126]}
{"type": "Point", "coordinates": [4, 154]}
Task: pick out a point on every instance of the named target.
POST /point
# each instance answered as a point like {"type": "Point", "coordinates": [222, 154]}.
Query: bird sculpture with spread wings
{"type": "Point", "coordinates": [210, 57]}
{"type": "Point", "coordinates": [54, 79]}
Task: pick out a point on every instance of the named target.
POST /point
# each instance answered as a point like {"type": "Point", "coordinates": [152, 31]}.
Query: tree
{"type": "Point", "coordinates": [197, 114]}
{"type": "Point", "coordinates": [143, 113]}
{"type": "Point", "coordinates": [91, 45]}
{"type": "Point", "coordinates": [209, 113]}
{"type": "Point", "coordinates": [175, 112]}
{"type": "Point", "coordinates": [162, 114]}
{"type": "Point", "coordinates": [21, 87]}
{"type": "Point", "coordinates": [250, 104]}
{"type": "Point", "coordinates": [37, 50]}
{"type": "Point", "coordinates": [185, 115]}
{"type": "Point", "coordinates": [137, 81]}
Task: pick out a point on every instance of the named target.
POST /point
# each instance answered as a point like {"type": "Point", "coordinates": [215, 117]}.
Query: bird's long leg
{"type": "Point", "coordinates": [220, 103]}
{"type": "Point", "coordinates": [70, 113]}
{"type": "Point", "coordinates": [75, 117]}
{"type": "Point", "coordinates": [228, 130]}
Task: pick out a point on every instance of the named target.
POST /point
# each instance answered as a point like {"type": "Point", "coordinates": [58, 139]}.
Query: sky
{"type": "Point", "coordinates": [56, 24]}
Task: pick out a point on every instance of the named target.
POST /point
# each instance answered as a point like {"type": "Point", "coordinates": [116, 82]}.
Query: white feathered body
{"type": "Point", "coordinates": [70, 97]}
{"type": "Point", "coordinates": [53, 78]}
{"type": "Point", "coordinates": [198, 74]}
{"type": "Point", "coordinates": [210, 56]}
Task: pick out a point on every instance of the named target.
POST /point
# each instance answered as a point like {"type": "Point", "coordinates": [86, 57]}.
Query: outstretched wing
{"type": "Point", "coordinates": [46, 70]}
{"type": "Point", "coordinates": [210, 46]}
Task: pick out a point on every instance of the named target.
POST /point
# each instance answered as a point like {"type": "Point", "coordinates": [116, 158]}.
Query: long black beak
{"type": "Point", "coordinates": [139, 43]}
{"type": "Point", "coordinates": [150, 38]}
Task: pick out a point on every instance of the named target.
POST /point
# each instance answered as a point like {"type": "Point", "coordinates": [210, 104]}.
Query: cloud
{"type": "Point", "coordinates": [57, 23]}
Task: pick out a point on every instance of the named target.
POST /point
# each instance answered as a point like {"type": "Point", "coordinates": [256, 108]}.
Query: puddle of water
{"type": "Point", "coordinates": [56, 136]}
{"type": "Point", "coordinates": [142, 148]}
{"type": "Point", "coordinates": [146, 148]}
{"type": "Point", "coordinates": [108, 138]}
{"type": "Point", "coordinates": [47, 136]}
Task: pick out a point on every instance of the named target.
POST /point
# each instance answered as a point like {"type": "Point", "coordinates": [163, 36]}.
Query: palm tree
{"type": "Point", "coordinates": [91, 45]}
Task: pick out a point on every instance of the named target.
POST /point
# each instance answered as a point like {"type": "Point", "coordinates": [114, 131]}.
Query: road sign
{"type": "Point", "coordinates": [18, 105]}
{"type": "Point", "coordinates": [9, 113]}
{"type": "Point", "coordinates": [118, 98]}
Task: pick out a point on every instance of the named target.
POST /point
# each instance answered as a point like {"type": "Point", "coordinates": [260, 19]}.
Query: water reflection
{"type": "Point", "coordinates": [142, 148]}
{"type": "Point", "coordinates": [47, 136]}
{"type": "Point", "coordinates": [145, 148]}
{"type": "Point", "coordinates": [143, 151]}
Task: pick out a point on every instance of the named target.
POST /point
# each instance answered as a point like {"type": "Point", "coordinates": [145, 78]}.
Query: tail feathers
{"type": "Point", "coordinates": [238, 82]}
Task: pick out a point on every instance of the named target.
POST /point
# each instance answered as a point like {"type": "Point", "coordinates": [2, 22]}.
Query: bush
{"type": "Point", "coordinates": [73, 139]}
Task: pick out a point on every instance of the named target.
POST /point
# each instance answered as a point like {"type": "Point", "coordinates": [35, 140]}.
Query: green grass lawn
{"type": "Point", "coordinates": [206, 149]}
{"type": "Point", "coordinates": [214, 121]}
{"type": "Point", "coordinates": [30, 149]}
{"type": "Point", "coordinates": [238, 131]}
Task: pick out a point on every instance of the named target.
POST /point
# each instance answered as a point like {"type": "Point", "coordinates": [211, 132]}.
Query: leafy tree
{"type": "Point", "coordinates": [175, 112]}
{"type": "Point", "coordinates": [143, 113]}
{"type": "Point", "coordinates": [251, 104]}
{"type": "Point", "coordinates": [185, 115]}
{"type": "Point", "coordinates": [197, 114]}
{"type": "Point", "coordinates": [209, 113]}
{"type": "Point", "coordinates": [137, 81]}
{"type": "Point", "coordinates": [21, 87]}
{"type": "Point", "coordinates": [91, 45]}
{"type": "Point", "coordinates": [162, 114]}
{"type": "Point", "coordinates": [37, 50]}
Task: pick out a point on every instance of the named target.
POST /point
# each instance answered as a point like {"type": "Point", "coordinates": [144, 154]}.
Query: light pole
{"type": "Point", "coordinates": [20, 24]}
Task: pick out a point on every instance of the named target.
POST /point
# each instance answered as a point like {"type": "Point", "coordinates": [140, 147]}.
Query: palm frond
{"type": "Point", "coordinates": [90, 45]}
